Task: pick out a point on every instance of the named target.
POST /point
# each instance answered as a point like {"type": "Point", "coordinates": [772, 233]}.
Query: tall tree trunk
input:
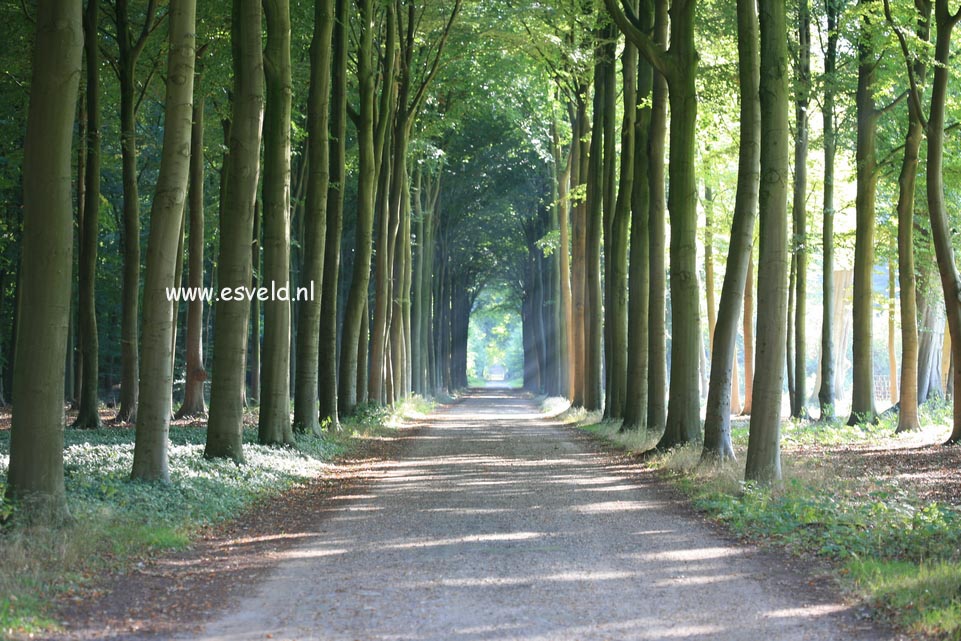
{"type": "Point", "coordinates": [683, 423]}
{"type": "Point", "coordinates": [826, 393]}
{"type": "Point", "coordinates": [255, 307]}
{"type": "Point", "coordinates": [763, 453]}
{"type": "Point", "coordinates": [130, 49]}
{"type": "Point", "coordinates": [616, 236]}
{"type": "Point", "coordinates": [194, 403]}
{"type": "Point", "coordinates": [638, 346]}
{"type": "Point", "coordinates": [717, 422]}
{"type": "Point", "coordinates": [164, 247]}
{"type": "Point", "coordinates": [596, 200]}
{"type": "Point", "coordinates": [306, 417]}
{"type": "Point", "coordinates": [862, 400]}
{"type": "Point", "coordinates": [579, 166]}
{"type": "Point", "coordinates": [749, 336]}
{"type": "Point", "coordinates": [657, 301]}
{"type": "Point", "coordinates": [937, 209]}
{"type": "Point", "coordinates": [892, 357]}
{"type": "Point", "coordinates": [88, 416]}
{"type": "Point", "coordinates": [335, 221]}
{"type": "Point", "coordinates": [908, 398]}
{"type": "Point", "coordinates": [799, 207]}
{"type": "Point", "coordinates": [35, 475]}
{"type": "Point", "coordinates": [709, 288]}
{"type": "Point", "coordinates": [353, 332]}
{"type": "Point", "coordinates": [274, 427]}
{"type": "Point", "coordinates": [225, 426]}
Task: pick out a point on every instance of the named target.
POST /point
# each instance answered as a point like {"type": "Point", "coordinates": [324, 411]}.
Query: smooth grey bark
{"type": "Point", "coordinates": [306, 390]}
{"type": "Point", "coordinates": [35, 475]}
{"type": "Point", "coordinates": [799, 206]}
{"type": "Point", "coordinates": [194, 403]}
{"type": "Point", "coordinates": [327, 371]}
{"type": "Point", "coordinates": [763, 453]}
{"type": "Point", "coordinates": [164, 247]}
{"type": "Point", "coordinates": [274, 426]}
{"type": "Point", "coordinates": [225, 425]}
{"type": "Point", "coordinates": [88, 416]}
{"type": "Point", "coordinates": [826, 393]}
{"type": "Point", "coordinates": [862, 364]}
{"type": "Point", "coordinates": [717, 422]}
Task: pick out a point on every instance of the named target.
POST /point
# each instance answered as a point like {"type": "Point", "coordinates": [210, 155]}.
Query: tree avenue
{"type": "Point", "coordinates": [550, 202]}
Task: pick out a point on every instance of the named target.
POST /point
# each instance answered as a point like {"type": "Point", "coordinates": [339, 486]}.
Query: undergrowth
{"type": "Point", "coordinates": [900, 554]}
{"type": "Point", "coordinates": [118, 521]}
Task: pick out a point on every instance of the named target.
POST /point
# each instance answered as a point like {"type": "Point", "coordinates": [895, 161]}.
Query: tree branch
{"type": "Point", "coordinates": [654, 52]}
{"type": "Point", "coordinates": [914, 91]}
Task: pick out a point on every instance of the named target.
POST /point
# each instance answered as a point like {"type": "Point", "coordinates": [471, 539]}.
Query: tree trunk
{"type": "Point", "coordinates": [35, 475]}
{"type": "Point", "coordinates": [129, 52]}
{"type": "Point", "coordinates": [826, 392]}
{"type": "Point", "coordinates": [709, 295]}
{"type": "Point", "coordinates": [194, 403]}
{"type": "Point", "coordinates": [597, 196]}
{"type": "Point", "coordinates": [636, 399]}
{"type": "Point", "coordinates": [657, 303]}
{"type": "Point", "coordinates": [255, 308]}
{"type": "Point", "coordinates": [892, 357]}
{"type": "Point", "coordinates": [166, 233]}
{"type": "Point", "coordinates": [225, 426]}
{"type": "Point", "coordinates": [763, 453]}
{"type": "Point", "coordinates": [274, 427]}
{"type": "Point", "coordinates": [88, 416]}
{"type": "Point", "coordinates": [749, 336]}
{"type": "Point", "coordinates": [579, 160]}
{"type": "Point", "coordinates": [306, 417]}
{"type": "Point", "coordinates": [353, 326]}
{"type": "Point", "coordinates": [683, 423]}
{"type": "Point", "coordinates": [908, 419]}
{"type": "Point", "coordinates": [937, 209]}
{"type": "Point", "coordinates": [616, 245]}
{"type": "Point", "coordinates": [862, 400]}
{"type": "Point", "coordinates": [799, 208]}
{"type": "Point", "coordinates": [327, 372]}
{"type": "Point", "coordinates": [717, 422]}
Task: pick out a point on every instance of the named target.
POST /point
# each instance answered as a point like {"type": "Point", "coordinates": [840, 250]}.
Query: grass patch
{"type": "Point", "coordinates": [897, 552]}
{"type": "Point", "coordinates": [119, 521]}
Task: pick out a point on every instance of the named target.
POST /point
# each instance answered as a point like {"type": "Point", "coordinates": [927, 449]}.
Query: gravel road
{"type": "Point", "coordinates": [496, 523]}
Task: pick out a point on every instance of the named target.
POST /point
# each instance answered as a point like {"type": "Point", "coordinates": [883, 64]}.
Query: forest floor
{"type": "Point", "coordinates": [487, 520]}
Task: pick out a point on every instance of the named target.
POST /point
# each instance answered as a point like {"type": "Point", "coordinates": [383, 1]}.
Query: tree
{"type": "Point", "coordinates": [334, 223]}
{"type": "Point", "coordinates": [908, 419]}
{"type": "Point", "coordinates": [35, 476]}
{"type": "Point", "coordinates": [636, 400]}
{"type": "Point", "coordinates": [826, 393]}
{"type": "Point", "coordinates": [224, 428]}
{"type": "Point", "coordinates": [799, 205]}
{"type": "Point", "coordinates": [274, 418]}
{"type": "Point", "coordinates": [306, 417]}
{"type": "Point", "coordinates": [129, 50]}
{"type": "Point", "coordinates": [678, 64]}
{"type": "Point", "coordinates": [717, 421]}
{"type": "Point", "coordinates": [945, 22]}
{"type": "Point", "coordinates": [88, 416]}
{"type": "Point", "coordinates": [763, 453]}
{"type": "Point", "coordinates": [354, 332]}
{"type": "Point", "coordinates": [163, 249]}
{"type": "Point", "coordinates": [194, 403]}
{"type": "Point", "coordinates": [862, 401]}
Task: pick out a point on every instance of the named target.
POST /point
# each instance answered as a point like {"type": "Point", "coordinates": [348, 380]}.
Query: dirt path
{"type": "Point", "coordinates": [497, 524]}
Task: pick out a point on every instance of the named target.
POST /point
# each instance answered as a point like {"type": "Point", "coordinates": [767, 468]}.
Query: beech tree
{"type": "Point", "coordinates": [163, 248]}
{"type": "Point", "coordinates": [224, 436]}
{"type": "Point", "coordinates": [763, 450]}
{"type": "Point", "coordinates": [35, 476]}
